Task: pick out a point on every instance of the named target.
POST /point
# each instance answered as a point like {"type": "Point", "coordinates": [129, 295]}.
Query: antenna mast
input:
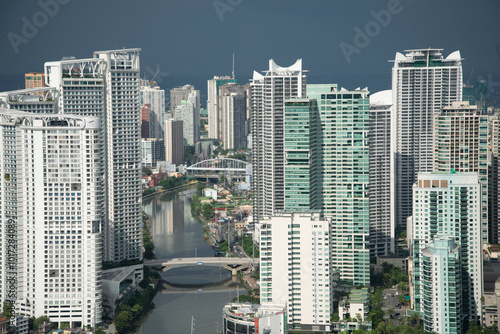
{"type": "Point", "coordinates": [233, 66]}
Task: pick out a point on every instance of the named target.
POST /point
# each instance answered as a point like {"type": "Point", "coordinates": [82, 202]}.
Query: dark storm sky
{"type": "Point", "coordinates": [188, 37]}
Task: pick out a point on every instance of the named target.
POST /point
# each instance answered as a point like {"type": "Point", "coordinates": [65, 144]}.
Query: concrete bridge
{"type": "Point", "coordinates": [233, 264]}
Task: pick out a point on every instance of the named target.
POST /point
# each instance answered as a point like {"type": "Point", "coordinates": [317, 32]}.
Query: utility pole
{"type": "Point", "coordinates": [228, 236]}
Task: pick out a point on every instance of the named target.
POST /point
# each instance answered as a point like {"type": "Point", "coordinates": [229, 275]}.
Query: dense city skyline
{"type": "Point", "coordinates": [362, 162]}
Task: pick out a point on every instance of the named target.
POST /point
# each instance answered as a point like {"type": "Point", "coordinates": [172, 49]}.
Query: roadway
{"type": "Point", "coordinates": [199, 260]}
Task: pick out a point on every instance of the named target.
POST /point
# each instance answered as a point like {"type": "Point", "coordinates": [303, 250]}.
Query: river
{"type": "Point", "coordinates": [177, 234]}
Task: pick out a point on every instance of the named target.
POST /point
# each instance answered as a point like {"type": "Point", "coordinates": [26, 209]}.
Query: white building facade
{"type": "Point", "coordinates": [447, 204]}
{"type": "Point", "coordinates": [268, 94]}
{"type": "Point", "coordinates": [155, 97]}
{"type": "Point", "coordinates": [382, 232]}
{"type": "Point", "coordinates": [52, 212]}
{"type": "Point", "coordinates": [107, 86]}
{"type": "Point", "coordinates": [423, 82]}
{"type": "Point", "coordinates": [189, 113]}
{"type": "Point", "coordinates": [213, 108]}
{"type": "Point", "coordinates": [295, 268]}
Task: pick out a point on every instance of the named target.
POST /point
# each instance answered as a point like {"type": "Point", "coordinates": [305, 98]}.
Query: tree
{"type": "Point", "coordinates": [64, 325]}
{"type": "Point", "coordinates": [391, 311]}
{"type": "Point", "coordinates": [474, 329]}
{"type": "Point", "coordinates": [147, 171]}
{"type": "Point", "coordinates": [223, 246]}
{"type": "Point", "coordinates": [123, 321]}
{"type": "Point", "coordinates": [149, 250]}
{"type": "Point", "coordinates": [7, 311]}
{"type": "Point", "coordinates": [199, 189]}
{"type": "Point", "coordinates": [40, 321]}
{"type": "Point", "coordinates": [148, 191]}
{"type": "Point", "coordinates": [414, 318]}
{"type": "Point", "coordinates": [207, 211]}
{"type": "Point", "coordinates": [490, 330]}
{"type": "Point", "coordinates": [402, 299]}
{"type": "Point", "coordinates": [136, 309]}
{"type": "Point", "coordinates": [402, 287]}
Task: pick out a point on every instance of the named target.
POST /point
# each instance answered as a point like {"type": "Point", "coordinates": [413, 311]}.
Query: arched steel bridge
{"type": "Point", "coordinates": [222, 164]}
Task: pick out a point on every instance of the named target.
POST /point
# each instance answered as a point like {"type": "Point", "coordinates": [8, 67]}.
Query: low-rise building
{"type": "Point", "coordinates": [247, 318]}
{"type": "Point", "coordinates": [21, 322]}
{"type": "Point", "coordinates": [353, 310]}
{"type": "Point", "coordinates": [209, 192]}
{"type": "Point", "coordinates": [207, 199]}
{"type": "Point", "coordinates": [491, 304]}
{"type": "Point", "coordinates": [118, 284]}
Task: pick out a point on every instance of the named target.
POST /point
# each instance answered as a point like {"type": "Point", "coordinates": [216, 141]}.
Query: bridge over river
{"type": "Point", "coordinates": [233, 264]}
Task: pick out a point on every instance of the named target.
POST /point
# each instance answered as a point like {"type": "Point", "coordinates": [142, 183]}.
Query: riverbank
{"type": "Point", "coordinates": [164, 191]}
{"type": "Point", "coordinates": [177, 234]}
{"type": "Point", "coordinates": [211, 236]}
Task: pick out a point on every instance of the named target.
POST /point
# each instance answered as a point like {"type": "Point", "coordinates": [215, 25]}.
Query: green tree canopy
{"type": "Point", "coordinates": [207, 211]}
{"type": "Point", "coordinates": [123, 321]}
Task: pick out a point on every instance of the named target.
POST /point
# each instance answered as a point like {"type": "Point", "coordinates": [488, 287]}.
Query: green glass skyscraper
{"type": "Point", "coordinates": [326, 142]}
{"type": "Point", "coordinates": [299, 135]}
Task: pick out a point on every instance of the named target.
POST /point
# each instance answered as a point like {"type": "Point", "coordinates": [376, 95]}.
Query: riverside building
{"type": "Point", "coordinates": [342, 174]}
{"type": "Point", "coordinates": [295, 268]}
{"type": "Point", "coordinates": [52, 212]}
{"type": "Point", "coordinates": [107, 86]}
{"type": "Point", "coordinates": [268, 94]}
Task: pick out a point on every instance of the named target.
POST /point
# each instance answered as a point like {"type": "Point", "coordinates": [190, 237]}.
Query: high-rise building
{"type": "Point", "coordinates": [107, 86]}
{"type": "Point", "coordinates": [300, 131]}
{"type": "Point", "coordinates": [52, 213]}
{"type": "Point", "coordinates": [423, 82]}
{"type": "Point", "coordinates": [232, 112]}
{"type": "Point", "coordinates": [145, 121]}
{"type": "Point", "coordinates": [155, 98]}
{"type": "Point", "coordinates": [189, 114]}
{"type": "Point", "coordinates": [179, 94]}
{"type": "Point", "coordinates": [153, 150]}
{"type": "Point", "coordinates": [213, 107]}
{"type": "Point", "coordinates": [342, 171]}
{"type": "Point", "coordinates": [174, 143]}
{"type": "Point", "coordinates": [441, 283]}
{"type": "Point", "coordinates": [448, 204]}
{"type": "Point", "coordinates": [461, 144]}
{"type": "Point", "coordinates": [295, 268]}
{"type": "Point", "coordinates": [494, 186]}
{"type": "Point", "coordinates": [34, 100]}
{"type": "Point", "coordinates": [268, 94]}
{"type": "Point", "coordinates": [35, 80]}
{"type": "Point", "coordinates": [382, 232]}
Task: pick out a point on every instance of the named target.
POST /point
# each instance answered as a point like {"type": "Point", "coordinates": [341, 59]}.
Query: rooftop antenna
{"type": "Point", "coordinates": [233, 66]}
{"type": "Point", "coordinates": [468, 81]}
